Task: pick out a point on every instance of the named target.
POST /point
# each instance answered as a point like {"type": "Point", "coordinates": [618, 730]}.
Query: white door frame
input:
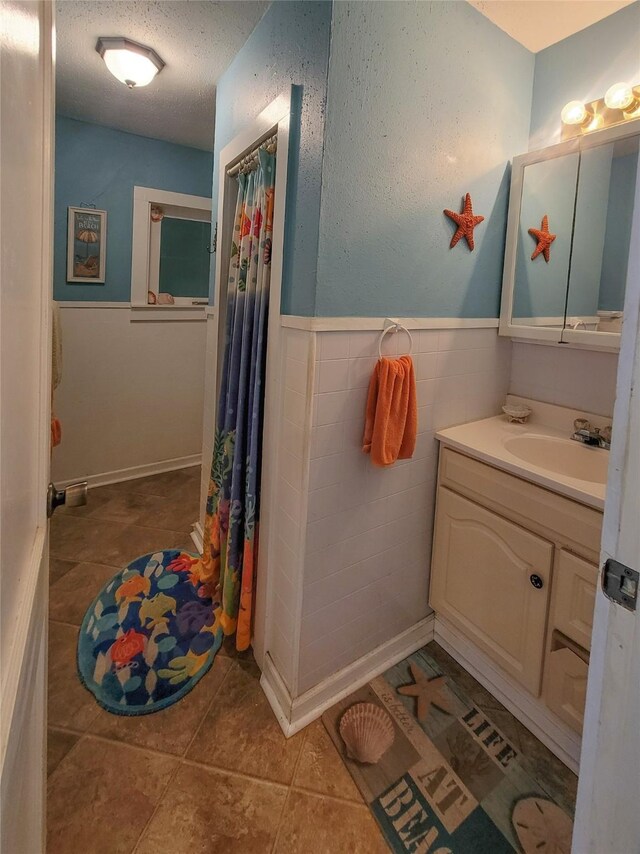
{"type": "Point", "coordinates": [23, 715]}
{"type": "Point", "coordinates": [275, 119]}
{"type": "Point", "coordinates": [607, 812]}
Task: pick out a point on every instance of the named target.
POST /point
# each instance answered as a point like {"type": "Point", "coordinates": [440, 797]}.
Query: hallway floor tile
{"type": "Point", "coordinates": [213, 772]}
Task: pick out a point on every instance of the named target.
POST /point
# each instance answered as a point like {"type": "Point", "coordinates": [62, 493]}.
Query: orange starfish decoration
{"type": "Point", "coordinates": [466, 222]}
{"type": "Point", "coordinates": [428, 692]}
{"type": "Point", "coordinates": [544, 238]}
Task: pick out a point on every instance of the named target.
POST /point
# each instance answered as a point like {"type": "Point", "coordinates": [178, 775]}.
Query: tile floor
{"type": "Point", "coordinates": [212, 773]}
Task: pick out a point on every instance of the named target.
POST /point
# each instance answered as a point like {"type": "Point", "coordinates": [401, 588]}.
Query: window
{"type": "Point", "coordinates": [184, 257]}
{"type": "Point", "coordinates": [171, 250]}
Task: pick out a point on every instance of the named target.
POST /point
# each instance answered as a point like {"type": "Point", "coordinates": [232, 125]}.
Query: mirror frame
{"type": "Point", "coordinates": [585, 339]}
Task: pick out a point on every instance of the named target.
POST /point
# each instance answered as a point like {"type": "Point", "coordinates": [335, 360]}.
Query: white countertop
{"type": "Point", "coordinates": [484, 440]}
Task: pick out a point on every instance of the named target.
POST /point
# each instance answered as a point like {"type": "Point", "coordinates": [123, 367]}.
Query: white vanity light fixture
{"type": "Point", "coordinates": [621, 103]}
{"type": "Point", "coordinates": [132, 63]}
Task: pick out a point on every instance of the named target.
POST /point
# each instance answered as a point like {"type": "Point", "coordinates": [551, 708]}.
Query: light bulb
{"type": "Point", "coordinates": [130, 68]}
{"type": "Point", "coordinates": [619, 96]}
{"type": "Point", "coordinates": [574, 113]}
{"type": "Point", "coordinates": [133, 64]}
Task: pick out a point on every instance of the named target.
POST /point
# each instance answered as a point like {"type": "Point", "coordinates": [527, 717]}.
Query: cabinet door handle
{"type": "Point", "coordinates": [536, 581]}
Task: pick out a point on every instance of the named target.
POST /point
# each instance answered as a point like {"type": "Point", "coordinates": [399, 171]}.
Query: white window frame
{"type": "Point", "coordinates": [145, 252]}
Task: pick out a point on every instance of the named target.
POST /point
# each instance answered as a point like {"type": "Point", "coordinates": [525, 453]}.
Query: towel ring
{"type": "Point", "coordinates": [395, 327]}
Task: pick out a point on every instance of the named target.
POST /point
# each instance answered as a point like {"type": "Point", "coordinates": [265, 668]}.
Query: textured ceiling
{"type": "Point", "coordinates": [196, 38]}
{"type": "Point", "coordinates": [536, 24]}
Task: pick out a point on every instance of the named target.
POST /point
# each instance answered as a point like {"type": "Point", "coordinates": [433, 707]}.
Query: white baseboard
{"type": "Point", "coordinates": [530, 711]}
{"type": "Point", "coordinates": [295, 714]}
{"type": "Point", "coordinates": [134, 472]}
{"type": "Point", "coordinates": [197, 535]}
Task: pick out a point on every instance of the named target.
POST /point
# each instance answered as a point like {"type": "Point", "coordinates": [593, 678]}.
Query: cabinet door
{"type": "Point", "coordinates": [566, 686]}
{"type": "Point", "coordinates": [481, 582]}
{"type": "Point", "coordinates": [574, 597]}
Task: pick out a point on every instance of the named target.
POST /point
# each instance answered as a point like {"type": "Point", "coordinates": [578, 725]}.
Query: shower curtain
{"type": "Point", "coordinates": [231, 524]}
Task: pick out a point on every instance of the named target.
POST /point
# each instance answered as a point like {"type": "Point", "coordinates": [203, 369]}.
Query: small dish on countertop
{"type": "Point", "coordinates": [516, 412]}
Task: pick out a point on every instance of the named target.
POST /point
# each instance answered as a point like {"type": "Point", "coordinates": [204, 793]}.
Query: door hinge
{"type": "Point", "coordinates": [620, 584]}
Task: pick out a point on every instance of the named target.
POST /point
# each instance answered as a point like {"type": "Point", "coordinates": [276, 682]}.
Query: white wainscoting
{"type": "Point", "coordinates": [131, 397]}
{"type": "Point", "coordinates": [349, 578]}
{"type": "Point", "coordinates": [579, 379]}
{"type": "Point", "coordinates": [368, 532]}
{"type": "Point", "coordinates": [287, 567]}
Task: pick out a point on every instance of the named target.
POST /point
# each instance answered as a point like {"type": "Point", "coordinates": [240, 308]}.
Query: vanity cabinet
{"type": "Point", "coordinates": [482, 582]}
{"type": "Point", "coordinates": [514, 571]}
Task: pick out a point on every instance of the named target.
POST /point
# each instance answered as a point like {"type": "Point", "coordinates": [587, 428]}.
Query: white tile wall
{"type": "Point", "coordinates": [368, 530]}
{"type": "Point", "coordinates": [580, 379]}
{"type": "Point", "coordinates": [296, 378]}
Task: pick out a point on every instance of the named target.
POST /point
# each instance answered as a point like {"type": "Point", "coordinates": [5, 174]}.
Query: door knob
{"type": "Point", "coordinates": [536, 580]}
{"type": "Point", "coordinates": [75, 495]}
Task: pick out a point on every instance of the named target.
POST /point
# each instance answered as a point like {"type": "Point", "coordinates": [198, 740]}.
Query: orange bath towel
{"type": "Point", "coordinates": [391, 420]}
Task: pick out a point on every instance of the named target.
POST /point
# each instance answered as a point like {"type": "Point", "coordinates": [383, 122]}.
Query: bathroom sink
{"type": "Point", "coordinates": [562, 456]}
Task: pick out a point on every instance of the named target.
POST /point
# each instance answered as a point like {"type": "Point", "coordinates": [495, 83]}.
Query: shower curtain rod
{"type": "Point", "coordinates": [248, 162]}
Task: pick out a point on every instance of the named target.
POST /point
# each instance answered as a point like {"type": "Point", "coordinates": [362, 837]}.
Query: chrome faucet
{"type": "Point", "coordinates": [594, 436]}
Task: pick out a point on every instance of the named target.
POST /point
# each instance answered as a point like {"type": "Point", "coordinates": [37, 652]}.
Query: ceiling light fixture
{"type": "Point", "coordinates": [133, 64]}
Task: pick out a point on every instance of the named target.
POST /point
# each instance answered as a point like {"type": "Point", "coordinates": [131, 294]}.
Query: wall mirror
{"type": "Point", "coordinates": [569, 240]}
{"type": "Point", "coordinates": [170, 253]}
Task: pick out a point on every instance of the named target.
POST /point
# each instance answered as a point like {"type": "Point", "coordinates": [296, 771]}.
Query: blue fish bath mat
{"type": "Point", "coordinates": [150, 635]}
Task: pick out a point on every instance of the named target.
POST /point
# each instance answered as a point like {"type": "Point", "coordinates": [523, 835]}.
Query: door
{"type": "Point", "coordinates": [26, 166]}
{"type": "Point", "coordinates": [490, 578]}
{"type": "Point", "coordinates": [607, 814]}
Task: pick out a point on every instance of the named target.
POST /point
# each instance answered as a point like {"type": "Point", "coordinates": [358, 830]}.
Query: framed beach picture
{"type": "Point", "coordinates": [86, 246]}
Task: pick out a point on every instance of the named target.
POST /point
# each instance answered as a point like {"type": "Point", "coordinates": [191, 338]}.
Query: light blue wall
{"type": "Point", "coordinates": [583, 67]}
{"type": "Point", "coordinates": [617, 244]}
{"type": "Point", "coordinates": [289, 46]}
{"type": "Point", "coordinates": [99, 165]}
{"type": "Point", "coordinates": [426, 101]}
{"type": "Point", "coordinates": [592, 202]}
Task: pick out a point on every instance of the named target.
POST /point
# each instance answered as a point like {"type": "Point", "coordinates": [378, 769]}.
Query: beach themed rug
{"type": "Point", "coordinates": [150, 635]}
{"type": "Point", "coordinates": [448, 780]}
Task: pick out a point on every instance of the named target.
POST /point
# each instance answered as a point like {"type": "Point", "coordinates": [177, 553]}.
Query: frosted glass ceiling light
{"type": "Point", "coordinates": [133, 64]}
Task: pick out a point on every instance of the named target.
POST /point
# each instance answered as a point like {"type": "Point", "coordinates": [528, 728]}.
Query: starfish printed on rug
{"type": "Point", "coordinates": [428, 692]}
{"type": "Point", "coordinates": [544, 238]}
{"type": "Point", "coordinates": [466, 221]}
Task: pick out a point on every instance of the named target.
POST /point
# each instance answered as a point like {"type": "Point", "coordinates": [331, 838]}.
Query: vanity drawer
{"type": "Point", "coordinates": [536, 508]}
{"type": "Point", "coordinates": [565, 686]}
{"type": "Point", "coordinates": [574, 597]}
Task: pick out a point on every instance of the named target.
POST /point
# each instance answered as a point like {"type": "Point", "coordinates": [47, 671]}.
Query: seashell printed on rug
{"type": "Point", "coordinates": [367, 732]}
{"type": "Point", "coordinates": [150, 635]}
